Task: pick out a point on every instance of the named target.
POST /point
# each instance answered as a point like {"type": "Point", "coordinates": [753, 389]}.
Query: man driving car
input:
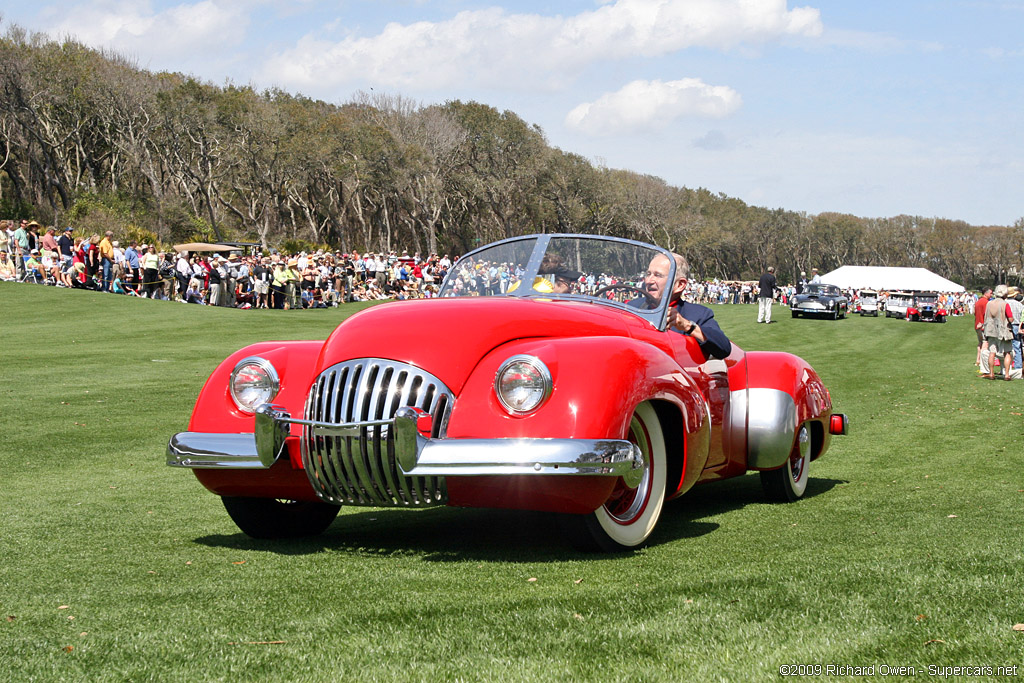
{"type": "Point", "coordinates": [683, 316]}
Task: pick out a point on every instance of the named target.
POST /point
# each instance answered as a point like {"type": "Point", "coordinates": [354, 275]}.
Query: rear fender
{"type": "Point", "coordinates": [783, 392]}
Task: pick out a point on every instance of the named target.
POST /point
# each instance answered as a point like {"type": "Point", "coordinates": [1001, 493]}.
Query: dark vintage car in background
{"type": "Point", "coordinates": [925, 308]}
{"type": "Point", "coordinates": [561, 391]}
{"type": "Point", "coordinates": [820, 301]}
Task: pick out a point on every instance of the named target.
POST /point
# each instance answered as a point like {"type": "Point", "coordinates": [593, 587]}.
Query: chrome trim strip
{"type": "Point", "coordinates": [200, 450]}
{"type": "Point", "coordinates": [771, 428]}
{"type": "Point", "coordinates": [735, 422]}
{"type": "Point", "coordinates": [420, 456]}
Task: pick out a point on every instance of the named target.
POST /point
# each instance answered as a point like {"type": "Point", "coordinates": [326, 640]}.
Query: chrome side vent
{"type": "Point", "coordinates": [361, 469]}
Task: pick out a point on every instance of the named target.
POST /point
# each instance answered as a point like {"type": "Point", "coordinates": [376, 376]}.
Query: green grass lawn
{"type": "Point", "coordinates": [907, 550]}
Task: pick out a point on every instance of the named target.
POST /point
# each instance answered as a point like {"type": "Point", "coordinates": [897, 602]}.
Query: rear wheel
{"type": "Point", "coordinates": [789, 482]}
{"type": "Point", "coordinates": [272, 518]}
{"type": "Point", "coordinates": [627, 519]}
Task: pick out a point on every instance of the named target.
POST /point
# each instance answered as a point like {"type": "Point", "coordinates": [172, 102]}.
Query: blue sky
{"type": "Point", "coordinates": [872, 108]}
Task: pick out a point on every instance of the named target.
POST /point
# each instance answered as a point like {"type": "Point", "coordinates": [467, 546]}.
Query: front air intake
{"type": "Point", "coordinates": [362, 470]}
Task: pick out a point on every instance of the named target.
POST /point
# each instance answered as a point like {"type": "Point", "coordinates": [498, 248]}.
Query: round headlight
{"type": "Point", "coordinates": [522, 384]}
{"type": "Point", "coordinates": [253, 382]}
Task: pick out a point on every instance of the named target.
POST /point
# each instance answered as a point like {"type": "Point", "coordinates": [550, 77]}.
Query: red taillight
{"type": "Point", "coordinates": [837, 423]}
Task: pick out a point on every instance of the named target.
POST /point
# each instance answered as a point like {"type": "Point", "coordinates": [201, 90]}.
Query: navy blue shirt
{"type": "Point", "coordinates": [716, 344]}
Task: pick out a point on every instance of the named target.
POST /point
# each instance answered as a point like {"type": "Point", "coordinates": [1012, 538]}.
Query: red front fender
{"type": "Point", "coordinates": [598, 382]}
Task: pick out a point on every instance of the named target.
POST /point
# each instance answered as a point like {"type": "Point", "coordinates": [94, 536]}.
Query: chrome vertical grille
{"type": "Point", "coordinates": [350, 470]}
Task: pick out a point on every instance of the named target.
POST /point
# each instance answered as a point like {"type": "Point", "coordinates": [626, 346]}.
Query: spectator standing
{"type": "Point", "coordinates": [91, 254]}
{"type": "Point", "coordinates": [359, 268]}
{"type": "Point", "coordinates": [291, 284]}
{"type": "Point", "coordinates": [1016, 310]}
{"type": "Point", "coordinates": [381, 267]}
{"type": "Point", "coordinates": [33, 235]}
{"type": "Point", "coordinates": [133, 265]}
{"type": "Point", "coordinates": [66, 246]}
{"type": "Point", "coordinates": [815, 278]}
{"type": "Point", "coordinates": [278, 285]}
{"type": "Point", "coordinates": [998, 333]}
{"type": "Point", "coordinates": [106, 249]}
{"type": "Point", "coordinates": [231, 282]}
{"type": "Point", "coordinates": [261, 275]}
{"type": "Point", "coordinates": [119, 263]}
{"type": "Point", "coordinates": [979, 324]}
{"type": "Point", "coordinates": [767, 286]}
{"type": "Point", "coordinates": [21, 250]}
{"type": "Point", "coordinates": [217, 277]}
{"type": "Point", "coordinates": [150, 272]}
{"type": "Point", "coordinates": [182, 272]}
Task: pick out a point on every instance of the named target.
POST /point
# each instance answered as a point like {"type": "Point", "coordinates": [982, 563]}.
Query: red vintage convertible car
{"type": "Point", "coordinates": [552, 383]}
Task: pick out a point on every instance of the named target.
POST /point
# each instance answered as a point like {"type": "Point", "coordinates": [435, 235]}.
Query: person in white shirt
{"type": "Point", "coordinates": [182, 272]}
{"type": "Point", "coordinates": [815, 278]}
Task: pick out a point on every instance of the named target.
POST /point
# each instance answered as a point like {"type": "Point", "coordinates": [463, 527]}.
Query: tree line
{"type": "Point", "coordinates": [88, 138]}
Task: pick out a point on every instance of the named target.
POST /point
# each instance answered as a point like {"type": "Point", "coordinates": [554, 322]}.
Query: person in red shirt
{"type": "Point", "coordinates": [979, 323]}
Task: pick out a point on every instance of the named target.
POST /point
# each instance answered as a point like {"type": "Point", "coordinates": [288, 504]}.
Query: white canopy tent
{"type": "Point", "coordinates": [883, 277]}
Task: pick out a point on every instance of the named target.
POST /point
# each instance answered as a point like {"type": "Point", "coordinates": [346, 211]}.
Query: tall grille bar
{"type": "Point", "coordinates": [347, 470]}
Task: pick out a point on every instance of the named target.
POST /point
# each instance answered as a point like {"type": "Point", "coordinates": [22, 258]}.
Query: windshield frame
{"type": "Point", "coordinates": [656, 316]}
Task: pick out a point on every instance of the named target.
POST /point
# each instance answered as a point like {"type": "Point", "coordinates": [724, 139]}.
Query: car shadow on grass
{"type": "Point", "coordinates": [460, 534]}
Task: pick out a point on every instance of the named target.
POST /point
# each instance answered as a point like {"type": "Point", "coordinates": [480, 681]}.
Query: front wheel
{"type": "Point", "coordinates": [789, 482]}
{"type": "Point", "coordinates": [627, 519]}
{"type": "Point", "coordinates": [270, 518]}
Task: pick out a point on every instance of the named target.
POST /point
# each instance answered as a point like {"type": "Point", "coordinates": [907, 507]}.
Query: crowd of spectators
{"type": "Point", "coordinates": [320, 279]}
{"type": "Point", "coordinates": [317, 279]}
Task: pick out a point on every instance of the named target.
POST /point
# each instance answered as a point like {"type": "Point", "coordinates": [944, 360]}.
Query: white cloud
{"type": "Point", "coordinates": [493, 47]}
{"type": "Point", "coordinates": [652, 105]}
{"type": "Point", "coordinates": [135, 28]}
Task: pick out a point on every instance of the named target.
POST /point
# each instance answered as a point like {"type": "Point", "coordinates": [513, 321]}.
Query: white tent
{"type": "Point", "coordinates": [881, 277]}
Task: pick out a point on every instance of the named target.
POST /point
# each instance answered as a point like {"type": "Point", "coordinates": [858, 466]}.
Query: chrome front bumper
{"type": "Point", "coordinates": [417, 455]}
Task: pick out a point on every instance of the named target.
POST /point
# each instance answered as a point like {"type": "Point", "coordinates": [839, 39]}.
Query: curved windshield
{"type": "Point", "coordinates": [630, 275]}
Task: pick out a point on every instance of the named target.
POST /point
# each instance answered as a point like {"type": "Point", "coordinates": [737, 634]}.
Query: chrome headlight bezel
{"type": "Point", "coordinates": [541, 380]}
{"type": "Point", "coordinates": [265, 394]}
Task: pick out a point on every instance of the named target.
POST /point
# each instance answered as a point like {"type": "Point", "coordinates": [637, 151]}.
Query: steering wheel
{"type": "Point", "coordinates": [624, 287]}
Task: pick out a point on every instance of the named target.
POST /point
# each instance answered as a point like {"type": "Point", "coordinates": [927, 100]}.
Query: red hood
{"type": "Point", "coordinates": [448, 337]}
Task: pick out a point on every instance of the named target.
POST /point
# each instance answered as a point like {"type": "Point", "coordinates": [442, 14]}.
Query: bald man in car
{"type": "Point", "coordinates": [687, 318]}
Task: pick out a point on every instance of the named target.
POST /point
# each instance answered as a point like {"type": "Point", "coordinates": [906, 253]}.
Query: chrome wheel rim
{"type": "Point", "coordinates": [799, 461]}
